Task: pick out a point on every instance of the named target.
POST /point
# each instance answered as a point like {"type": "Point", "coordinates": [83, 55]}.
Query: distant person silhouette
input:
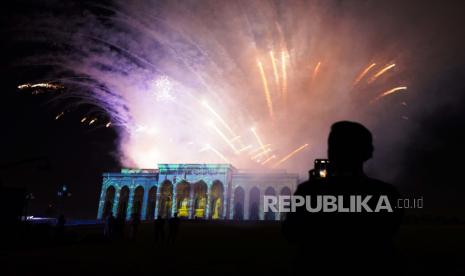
{"type": "Point", "coordinates": [173, 228]}
{"type": "Point", "coordinates": [350, 243]}
{"type": "Point", "coordinates": [159, 229]}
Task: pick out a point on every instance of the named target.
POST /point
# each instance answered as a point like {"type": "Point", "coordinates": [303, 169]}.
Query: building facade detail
{"type": "Point", "coordinates": [193, 191]}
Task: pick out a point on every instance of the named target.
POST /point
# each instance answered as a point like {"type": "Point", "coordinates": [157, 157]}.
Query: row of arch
{"type": "Point", "coordinates": [191, 200]}
{"type": "Point", "coordinates": [254, 203]}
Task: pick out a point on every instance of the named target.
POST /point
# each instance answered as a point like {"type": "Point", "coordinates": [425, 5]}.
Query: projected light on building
{"type": "Point", "coordinates": [193, 191]}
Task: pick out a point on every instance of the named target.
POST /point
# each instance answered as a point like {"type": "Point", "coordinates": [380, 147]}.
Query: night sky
{"type": "Point", "coordinates": [431, 158]}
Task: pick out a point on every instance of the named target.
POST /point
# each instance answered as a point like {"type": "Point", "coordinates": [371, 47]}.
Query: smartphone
{"type": "Point", "coordinates": [320, 169]}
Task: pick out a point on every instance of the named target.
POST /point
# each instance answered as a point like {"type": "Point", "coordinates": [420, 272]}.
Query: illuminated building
{"type": "Point", "coordinates": [194, 191]}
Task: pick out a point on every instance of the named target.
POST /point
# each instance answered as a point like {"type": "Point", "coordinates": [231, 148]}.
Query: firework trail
{"type": "Point", "coordinates": [59, 115]}
{"type": "Point", "coordinates": [290, 155]}
{"type": "Point", "coordinates": [284, 74]}
{"type": "Point", "coordinates": [245, 148]}
{"type": "Point", "coordinates": [363, 73]}
{"type": "Point", "coordinates": [266, 90]}
{"type": "Point", "coordinates": [219, 154]}
{"type": "Point", "coordinates": [268, 159]}
{"type": "Point", "coordinates": [235, 139]}
{"type": "Point", "coordinates": [218, 117]}
{"type": "Point", "coordinates": [316, 71]}
{"type": "Point", "coordinates": [381, 72]}
{"type": "Point", "coordinates": [223, 136]}
{"type": "Point", "coordinates": [259, 148]}
{"type": "Point", "coordinates": [275, 68]}
{"type": "Point", "coordinates": [264, 152]}
{"type": "Point", "coordinates": [259, 140]}
{"type": "Point", "coordinates": [390, 91]}
{"type": "Point", "coordinates": [40, 85]}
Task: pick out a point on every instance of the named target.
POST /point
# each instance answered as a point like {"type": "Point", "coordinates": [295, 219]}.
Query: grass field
{"type": "Point", "coordinates": [219, 248]}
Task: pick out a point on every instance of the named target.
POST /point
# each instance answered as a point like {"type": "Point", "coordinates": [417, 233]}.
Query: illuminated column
{"type": "Point", "coordinates": [101, 202]}
{"type": "Point", "coordinates": [130, 201]}
{"type": "Point", "coordinates": [106, 183]}
{"type": "Point", "coordinates": [246, 204]}
{"type": "Point", "coordinates": [116, 201]}
{"type": "Point", "coordinates": [174, 205]}
{"type": "Point", "coordinates": [145, 199]}
{"type": "Point", "coordinates": [227, 201]}
{"type": "Point", "coordinates": [208, 207]}
{"type": "Point", "coordinates": [231, 206]}
{"type": "Point", "coordinates": [191, 201]}
{"type": "Point", "coordinates": [224, 202]}
{"type": "Point", "coordinates": [157, 202]}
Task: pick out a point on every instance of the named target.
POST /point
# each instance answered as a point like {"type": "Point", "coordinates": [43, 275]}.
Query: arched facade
{"type": "Point", "coordinates": [194, 191]}
{"type": "Point", "coordinates": [257, 184]}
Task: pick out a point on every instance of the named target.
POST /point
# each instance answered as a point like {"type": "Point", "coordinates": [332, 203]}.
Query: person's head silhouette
{"type": "Point", "coordinates": [349, 146]}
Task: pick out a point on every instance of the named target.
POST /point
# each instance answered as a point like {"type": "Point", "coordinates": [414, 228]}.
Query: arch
{"type": "Point", "coordinates": [123, 202]}
{"type": "Point", "coordinates": [109, 201]}
{"type": "Point", "coordinates": [270, 191]}
{"type": "Point", "coordinates": [200, 199]}
{"type": "Point", "coordinates": [239, 198]}
{"type": "Point", "coordinates": [216, 200]}
{"type": "Point", "coordinates": [151, 203]}
{"type": "Point", "coordinates": [286, 192]}
{"type": "Point", "coordinates": [183, 189]}
{"type": "Point", "coordinates": [254, 204]}
{"type": "Point", "coordinates": [137, 201]}
{"type": "Point", "coordinates": [166, 199]}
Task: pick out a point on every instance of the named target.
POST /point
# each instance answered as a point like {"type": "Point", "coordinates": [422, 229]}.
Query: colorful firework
{"type": "Point", "coordinates": [159, 72]}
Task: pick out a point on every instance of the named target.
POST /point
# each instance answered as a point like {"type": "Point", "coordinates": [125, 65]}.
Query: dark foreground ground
{"type": "Point", "coordinates": [214, 248]}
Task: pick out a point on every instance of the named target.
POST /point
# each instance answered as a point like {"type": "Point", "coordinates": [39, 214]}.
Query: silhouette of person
{"type": "Point", "coordinates": [335, 243]}
{"type": "Point", "coordinates": [159, 228]}
{"type": "Point", "coordinates": [173, 228]}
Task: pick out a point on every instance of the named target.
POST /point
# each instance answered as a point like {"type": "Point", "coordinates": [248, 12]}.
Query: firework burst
{"type": "Point", "coordinates": [160, 70]}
